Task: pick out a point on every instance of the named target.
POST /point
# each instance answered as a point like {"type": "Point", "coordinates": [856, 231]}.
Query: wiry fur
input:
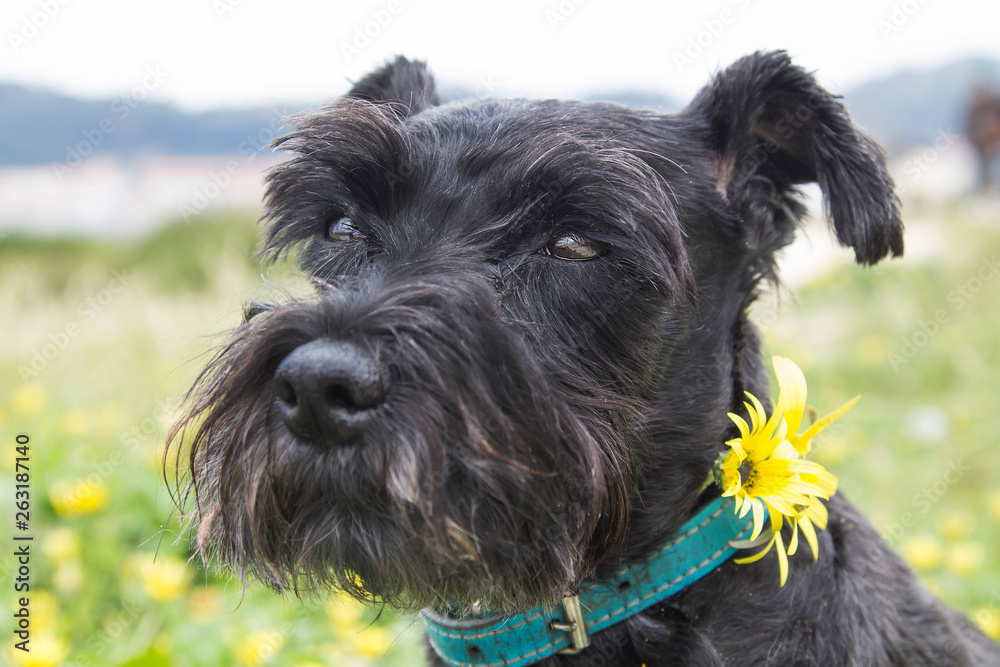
{"type": "Point", "coordinates": [545, 421]}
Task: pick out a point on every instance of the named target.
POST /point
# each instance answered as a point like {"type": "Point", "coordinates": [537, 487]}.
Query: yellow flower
{"type": "Point", "coordinates": [76, 423]}
{"type": "Point", "coordinates": [68, 577]}
{"type": "Point", "coordinates": [373, 643]}
{"type": "Point", "coordinates": [994, 504]}
{"type": "Point", "coordinates": [922, 552]}
{"type": "Point", "coordinates": [79, 497]}
{"type": "Point", "coordinates": [965, 558]}
{"type": "Point", "coordinates": [62, 544]}
{"type": "Point", "coordinates": [259, 648]}
{"type": "Point", "coordinates": [988, 621]}
{"type": "Point", "coordinates": [28, 399]}
{"type": "Point", "coordinates": [204, 602]}
{"type": "Point", "coordinates": [163, 579]}
{"type": "Point", "coordinates": [956, 524]}
{"type": "Point", "coordinates": [47, 650]}
{"type": "Point", "coordinates": [44, 612]}
{"type": "Point", "coordinates": [345, 614]}
{"type": "Point", "coordinates": [765, 469]}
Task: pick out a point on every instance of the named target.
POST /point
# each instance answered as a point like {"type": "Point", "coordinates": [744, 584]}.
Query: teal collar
{"type": "Point", "coordinates": [700, 545]}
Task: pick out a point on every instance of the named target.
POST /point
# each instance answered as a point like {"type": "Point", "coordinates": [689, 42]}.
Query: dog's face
{"type": "Point", "coordinates": [529, 325]}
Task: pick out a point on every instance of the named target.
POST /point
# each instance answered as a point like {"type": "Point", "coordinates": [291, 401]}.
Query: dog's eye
{"type": "Point", "coordinates": [573, 248]}
{"type": "Point", "coordinates": [341, 229]}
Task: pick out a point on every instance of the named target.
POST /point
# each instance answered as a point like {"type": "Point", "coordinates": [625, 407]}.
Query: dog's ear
{"type": "Point", "coordinates": [770, 126]}
{"type": "Point", "coordinates": [400, 81]}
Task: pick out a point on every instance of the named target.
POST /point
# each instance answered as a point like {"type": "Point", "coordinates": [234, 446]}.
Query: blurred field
{"type": "Point", "coordinates": [89, 362]}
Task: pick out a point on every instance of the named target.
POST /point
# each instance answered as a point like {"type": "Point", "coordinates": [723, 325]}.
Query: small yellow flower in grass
{"type": "Point", "coordinates": [994, 505]}
{"type": "Point", "coordinates": [956, 524]}
{"type": "Point", "coordinates": [47, 650]}
{"type": "Point", "coordinates": [922, 552]}
{"type": "Point", "coordinates": [988, 620]}
{"type": "Point", "coordinates": [75, 423]}
{"type": "Point", "coordinates": [68, 577]}
{"type": "Point", "coordinates": [259, 648]}
{"type": "Point", "coordinates": [765, 470]}
{"type": "Point", "coordinates": [164, 578]}
{"type": "Point", "coordinates": [72, 498]}
{"type": "Point", "coordinates": [204, 602]}
{"type": "Point", "coordinates": [345, 614]}
{"type": "Point", "coordinates": [44, 609]}
{"type": "Point", "coordinates": [62, 544]}
{"type": "Point", "coordinates": [28, 399]}
{"type": "Point", "coordinates": [965, 558]}
{"type": "Point", "coordinates": [373, 643]}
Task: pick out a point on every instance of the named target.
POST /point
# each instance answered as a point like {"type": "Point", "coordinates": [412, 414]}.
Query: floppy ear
{"type": "Point", "coordinates": [401, 81]}
{"type": "Point", "coordinates": [770, 127]}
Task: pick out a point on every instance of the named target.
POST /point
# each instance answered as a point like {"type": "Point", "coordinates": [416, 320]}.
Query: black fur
{"type": "Point", "coordinates": [545, 421]}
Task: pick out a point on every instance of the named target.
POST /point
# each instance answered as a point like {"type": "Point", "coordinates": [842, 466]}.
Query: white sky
{"type": "Point", "coordinates": [236, 52]}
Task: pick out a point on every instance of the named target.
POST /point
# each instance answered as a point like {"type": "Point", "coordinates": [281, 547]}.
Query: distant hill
{"type": "Point", "coordinates": [908, 109]}
{"type": "Point", "coordinates": [39, 126]}
{"type": "Point", "coordinates": [638, 99]}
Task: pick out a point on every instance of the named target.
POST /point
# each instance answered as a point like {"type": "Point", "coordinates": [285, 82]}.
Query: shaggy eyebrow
{"type": "Point", "coordinates": [595, 186]}
{"type": "Point", "coordinates": [352, 153]}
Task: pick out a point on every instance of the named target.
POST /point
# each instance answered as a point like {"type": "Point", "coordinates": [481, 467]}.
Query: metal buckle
{"type": "Point", "coordinates": [575, 625]}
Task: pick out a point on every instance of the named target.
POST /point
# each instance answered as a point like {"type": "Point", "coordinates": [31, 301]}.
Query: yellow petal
{"type": "Point", "coordinates": [801, 443]}
{"type": "Point", "coordinates": [738, 502]}
{"type": "Point", "coordinates": [817, 514]}
{"type": "Point", "coordinates": [747, 503]}
{"type": "Point", "coordinates": [734, 459]}
{"type": "Point", "coordinates": [764, 538]}
{"type": "Point", "coordinates": [825, 483]}
{"type": "Point", "coordinates": [741, 425]}
{"type": "Point", "coordinates": [777, 520]}
{"type": "Point", "coordinates": [757, 556]}
{"type": "Point", "coordinates": [805, 488]}
{"type": "Point", "coordinates": [793, 544]}
{"type": "Point", "coordinates": [785, 451]}
{"type": "Point", "coordinates": [791, 392]}
{"type": "Point", "coordinates": [768, 430]}
{"type": "Point", "coordinates": [755, 420]}
{"type": "Point", "coordinates": [782, 558]}
{"type": "Point", "coordinates": [734, 485]}
{"type": "Point", "coordinates": [758, 517]}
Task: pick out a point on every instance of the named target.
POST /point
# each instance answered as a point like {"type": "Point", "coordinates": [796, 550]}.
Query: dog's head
{"type": "Point", "coordinates": [528, 327]}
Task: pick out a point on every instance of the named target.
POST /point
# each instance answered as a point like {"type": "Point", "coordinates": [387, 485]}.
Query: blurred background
{"type": "Point", "coordinates": [133, 140]}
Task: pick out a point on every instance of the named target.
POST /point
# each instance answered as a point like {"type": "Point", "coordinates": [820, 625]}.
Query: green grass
{"type": "Point", "coordinates": [108, 357]}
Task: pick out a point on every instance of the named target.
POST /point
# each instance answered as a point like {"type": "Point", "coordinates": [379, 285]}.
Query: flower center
{"type": "Point", "coordinates": [747, 471]}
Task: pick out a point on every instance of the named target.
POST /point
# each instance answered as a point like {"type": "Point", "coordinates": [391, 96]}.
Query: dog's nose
{"type": "Point", "coordinates": [327, 391]}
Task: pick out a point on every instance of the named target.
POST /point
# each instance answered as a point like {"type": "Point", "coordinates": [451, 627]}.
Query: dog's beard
{"type": "Point", "coordinates": [482, 480]}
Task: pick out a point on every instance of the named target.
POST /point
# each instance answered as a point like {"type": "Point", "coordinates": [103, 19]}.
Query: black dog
{"type": "Point", "coordinates": [529, 325]}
